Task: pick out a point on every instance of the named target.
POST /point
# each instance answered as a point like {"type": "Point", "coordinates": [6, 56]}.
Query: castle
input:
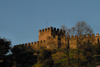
{"type": "Point", "coordinates": [52, 38]}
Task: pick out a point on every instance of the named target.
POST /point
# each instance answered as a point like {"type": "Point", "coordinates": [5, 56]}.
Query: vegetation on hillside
{"type": "Point", "coordinates": [86, 56]}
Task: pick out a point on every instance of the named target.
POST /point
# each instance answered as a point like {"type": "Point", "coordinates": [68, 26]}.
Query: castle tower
{"type": "Point", "coordinates": [48, 32]}
{"type": "Point", "coordinates": [44, 33]}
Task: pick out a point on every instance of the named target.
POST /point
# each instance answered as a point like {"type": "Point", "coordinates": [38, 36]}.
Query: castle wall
{"type": "Point", "coordinates": [52, 38]}
{"type": "Point", "coordinates": [50, 43]}
{"type": "Point", "coordinates": [74, 41]}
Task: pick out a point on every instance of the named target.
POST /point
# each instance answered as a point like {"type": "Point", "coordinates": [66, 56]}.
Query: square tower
{"type": "Point", "coordinates": [49, 32]}
{"type": "Point", "coordinates": [44, 33]}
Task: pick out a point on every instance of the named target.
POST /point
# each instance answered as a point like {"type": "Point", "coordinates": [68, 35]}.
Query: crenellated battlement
{"type": "Point", "coordinates": [48, 35]}
{"type": "Point", "coordinates": [58, 30]}
{"type": "Point", "coordinates": [83, 36]}
{"type": "Point", "coordinates": [33, 43]}
{"type": "Point", "coordinates": [46, 29]}
{"type": "Point", "coordinates": [51, 29]}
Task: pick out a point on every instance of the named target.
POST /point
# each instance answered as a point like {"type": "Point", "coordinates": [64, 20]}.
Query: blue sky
{"type": "Point", "coordinates": [20, 20]}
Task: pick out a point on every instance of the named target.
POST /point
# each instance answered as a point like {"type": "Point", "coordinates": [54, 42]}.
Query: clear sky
{"type": "Point", "coordinates": [20, 20]}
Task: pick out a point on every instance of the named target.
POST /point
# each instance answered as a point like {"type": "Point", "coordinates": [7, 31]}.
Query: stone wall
{"type": "Point", "coordinates": [52, 38]}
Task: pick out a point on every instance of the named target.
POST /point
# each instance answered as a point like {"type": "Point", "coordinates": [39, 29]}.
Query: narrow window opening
{"type": "Point", "coordinates": [98, 41]}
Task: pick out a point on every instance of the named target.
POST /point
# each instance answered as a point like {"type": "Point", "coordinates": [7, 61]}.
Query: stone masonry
{"type": "Point", "coordinates": [52, 38]}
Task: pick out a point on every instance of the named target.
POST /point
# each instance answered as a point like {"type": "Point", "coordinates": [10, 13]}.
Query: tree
{"type": "Point", "coordinates": [24, 56]}
{"type": "Point", "coordinates": [96, 52]}
{"type": "Point", "coordinates": [87, 55]}
{"type": "Point", "coordinates": [4, 48]}
{"type": "Point", "coordinates": [83, 28]}
{"type": "Point", "coordinates": [45, 58]}
{"type": "Point", "coordinates": [79, 29]}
